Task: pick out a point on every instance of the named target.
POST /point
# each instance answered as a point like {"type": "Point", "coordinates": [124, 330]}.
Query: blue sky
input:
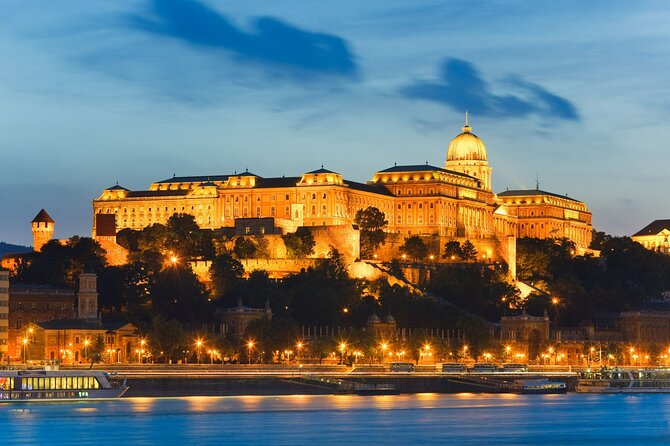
{"type": "Point", "coordinates": [95, 92]}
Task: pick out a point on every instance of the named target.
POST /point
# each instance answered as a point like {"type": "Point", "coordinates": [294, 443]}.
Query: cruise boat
{"type": "Point", "coordinates": [614, 380]}
{"type": "Point", "coordinates": [47, 385]}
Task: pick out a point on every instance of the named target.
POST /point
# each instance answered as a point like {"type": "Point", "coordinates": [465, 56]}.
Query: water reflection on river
{"type": "Point", "coordinates": [308, 419]}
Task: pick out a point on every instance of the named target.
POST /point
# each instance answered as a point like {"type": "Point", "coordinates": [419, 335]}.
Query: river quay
{"type": "Point", "coordinates": [229, 380]}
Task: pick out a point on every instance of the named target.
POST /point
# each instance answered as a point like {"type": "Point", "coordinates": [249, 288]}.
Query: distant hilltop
{"type": "Point", "coordinates": [6, 248]}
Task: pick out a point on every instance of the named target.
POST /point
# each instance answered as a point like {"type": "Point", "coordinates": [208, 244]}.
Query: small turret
{"type": "Point", "coordinates": [43, 229]}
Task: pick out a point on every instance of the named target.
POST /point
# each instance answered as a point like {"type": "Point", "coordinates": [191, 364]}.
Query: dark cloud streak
{"type": "Point", "coordinates": [461, 87]}
{"type": "Point", "coordinates": [281, 47]}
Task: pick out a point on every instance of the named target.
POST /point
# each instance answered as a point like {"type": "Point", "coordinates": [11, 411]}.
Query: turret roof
{"type": "Point", "coordinates": [43, 217]}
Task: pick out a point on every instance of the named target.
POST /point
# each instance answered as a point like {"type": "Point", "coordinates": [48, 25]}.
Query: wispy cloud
{"type": "Point", "coordinates": [274, 44]}
{"type": "Point", "coordinates": [461, 87]}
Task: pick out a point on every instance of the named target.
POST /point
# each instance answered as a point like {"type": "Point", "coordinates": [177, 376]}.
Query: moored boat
{"type": "Point", "coordinates": [615, 380]}
{"type": "Point", "coordinates": [48, 385]}
{"type": "Point", "coordinates": [539, 386]}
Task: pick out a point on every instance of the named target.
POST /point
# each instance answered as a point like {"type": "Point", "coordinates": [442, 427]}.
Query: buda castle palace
{"type": "Point", "coordinates": [443, 203]}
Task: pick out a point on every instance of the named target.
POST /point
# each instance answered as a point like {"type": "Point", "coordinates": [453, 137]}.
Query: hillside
{"type": "Point", "coordinates": [6, 248]}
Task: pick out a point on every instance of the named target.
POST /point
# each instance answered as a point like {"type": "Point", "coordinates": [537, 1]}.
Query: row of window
{"type": "Point", "coordinates": [60, 382]}
{"type": "Point", "coordinates": [39, 306]}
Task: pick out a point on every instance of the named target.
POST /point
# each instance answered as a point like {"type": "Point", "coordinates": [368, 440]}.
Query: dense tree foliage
{"type": "Point", "coordinates": [299, 244]}
{"type": "Point", "coordinates": [371, 222]}
{"type": "Point", "coordinates": [623, 278]}
{"type": "Point", "coordinates": [415, 248]}
{"type": "Point", "coordinates": [468, 251]}
{"type": "Point", "coordinates": [244, 248]}
{"type": "Point", "coordinates": [225, 273]}
{"type": "Point", "coordinates": [177, 294]}
{"type": "Point", "coordinates": [452, 250]}
{"type": "Point", "coordinates": [61, 264]}
{"type": "Point", "coordinates": [483, 291]}
{"type": "Point", "coordinates": [166, 338]}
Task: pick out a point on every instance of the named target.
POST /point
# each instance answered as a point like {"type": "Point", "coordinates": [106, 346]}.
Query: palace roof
{"type": "Point", "coordinates": [277, 182]}
{"type": "Point", "coordinates": [322, 170]}
{"type": "Point", "coordinates": [373, 188]}
{"type": "Point", "coordinates": [196, 179]}
{"type": "Point", "coordinates": [533, 192]}
{"type": "Point", "coordinates": [156, 193]}
{"type": "Point", "coordinates": [422, 168]}
{"type": "Point", "coordinates": [653, 228]}
{"type": "Point", "coordinates": [116, 187]}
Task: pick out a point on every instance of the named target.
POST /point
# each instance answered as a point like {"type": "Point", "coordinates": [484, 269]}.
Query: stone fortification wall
{"type": "Point", "coordinates": [114, 253]}
{"type": "Point", "coordinates": [276, 268]}
{"type": "Point", "coordinates": [494, 249]}
{"type": "Point", "coordinates": [346, 238]}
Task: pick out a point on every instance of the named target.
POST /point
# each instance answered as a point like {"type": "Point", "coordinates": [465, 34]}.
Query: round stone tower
{"type": "Point", "coordinates": [43, 229]}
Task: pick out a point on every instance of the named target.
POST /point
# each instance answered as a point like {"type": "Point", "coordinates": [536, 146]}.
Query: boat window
{"type": "Point", "coordinates": [6, 383]}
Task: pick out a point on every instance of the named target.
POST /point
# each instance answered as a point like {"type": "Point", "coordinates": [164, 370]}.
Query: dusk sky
{"type": "Point", "coordinates": [95, 92]}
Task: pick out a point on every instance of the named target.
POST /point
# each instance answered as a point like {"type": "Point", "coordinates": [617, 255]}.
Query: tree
{"type": "Point", "coordinates": [178, 294]}
{"type": "Point", "coordinates": [244, 248]}
{"type": "Point", "coordinates": [278, 333]}
{"type": "Point", "coordinates": [371, 222]}
{"type": "Point", "coordinates": [452, 250]}
{"type": "Point", "coordinates": [165, 336]}
{"type": "Point", "coordinates": [96, 349]}
{"type": "Point", "coordinates": [300, 244]}
{"type": "Point", "coordinates": [468, 251]}
{"type": "Point", "coordinates": [395, 269]}
{"type": "Point", "coordinates": [225, 272]}
{"type": "Point", "coordinates": [61, 264]}
{"type": "Point", "coordinates": [185, 237]}
{"type": "Point", "coordinates": [262, 247]}
{"type": "Point", "coordinates": [415, 248]}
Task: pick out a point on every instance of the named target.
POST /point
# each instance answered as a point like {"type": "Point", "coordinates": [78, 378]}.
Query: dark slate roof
{"type": "Point", "coordinates": [533, 192]}
{"type": "Point", "coordinates": [322, 170]}
{"type": "Point", "coordinates": [116, 187]}
{"type": "Point", "coordinates": [79, 324]}
{"type": "Point", "coordinates": [413, 168]}
{"type": "Point", "coordinates": [654, 228]}
{"type": "Point", "coordinates": [374, 188]}
{"type": "Point", "coordinates": [422, 168]}
{"type": "Point", "coordinates": [277, 182]}
{"type": "Point", "coordinates": [208, 184]}
{"type": "Point", "coordinates": [156, 193]}
{"type": "Point", "coordinates": [43, 217]}
{"type": "Point", "coordinates": [196, 179]}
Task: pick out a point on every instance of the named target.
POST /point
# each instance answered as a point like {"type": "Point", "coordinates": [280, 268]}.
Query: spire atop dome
{"type": "Point", "coordinates": [466, 128]}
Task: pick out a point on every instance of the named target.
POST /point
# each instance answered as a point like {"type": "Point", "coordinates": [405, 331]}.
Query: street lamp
{"type": "Point", "coordinates": [198, 346]}
{"type": "Point", "coordinates": [426, 352]}
{"type": "Point", "coordinates": [298, 347]}
{"type": "Point", "coordinates": [384, 347]}
{"type": "Point", "coordinates": [343, 348]}
{"type": "Point", "coordinates": [250, 346]}
{"type": "Point", "coordinates": [25, 350]}
{"type": "Point", "coordinates": [86, 343]}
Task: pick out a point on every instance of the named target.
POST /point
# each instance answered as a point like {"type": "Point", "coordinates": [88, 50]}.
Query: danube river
{"type": "Point", "coordinates": [459, 419]}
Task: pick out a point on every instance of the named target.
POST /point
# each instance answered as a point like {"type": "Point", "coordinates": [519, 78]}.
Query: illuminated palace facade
{"type": "Point", "coordinates": [452, 201]}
